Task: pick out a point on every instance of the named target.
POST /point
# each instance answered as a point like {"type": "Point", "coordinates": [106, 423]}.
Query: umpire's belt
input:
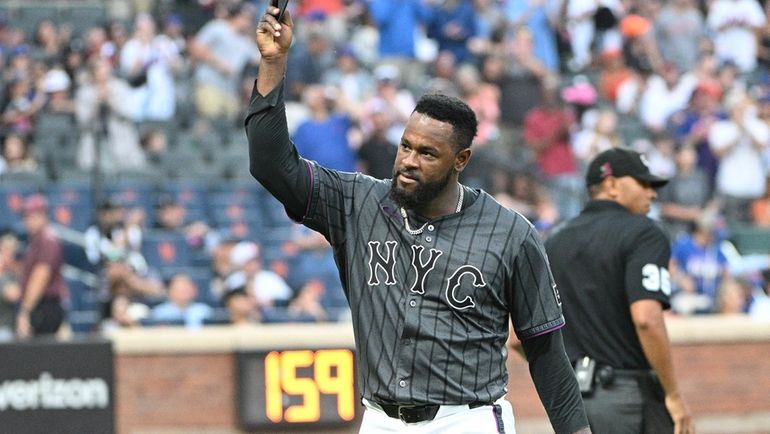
{"type": "Point", "coordinates": [409, 413]}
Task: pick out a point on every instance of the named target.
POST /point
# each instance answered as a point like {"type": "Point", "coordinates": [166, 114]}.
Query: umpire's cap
{"type": "Point", "coordinates": [620, 162]}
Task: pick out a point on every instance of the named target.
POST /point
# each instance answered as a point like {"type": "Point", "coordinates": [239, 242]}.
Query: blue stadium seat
{"type": "Point", "coordinates": [82, 296]}
{"type": "Point", "coordinates": [31, 13]}
{"type": "Point", "coordinates": [201, 276]}
{"type": "Point", "coordinates": [12, 197]}
{"type": "Point", "coordinates": [84, 16]}
{"type": "Point", "coordinates": [274, 213]}
{"type": "Point", "coordinates": [75, 256]}
{"type": "Point", "coordinates": [165, 249]}
{"type": "Point", "coordinates": [151, 322]}
{"type": "Point", "coordinates": [133, 194]}
{"type": "Point", "coordinates": [240, 187]}
{"type": "Point", "coordinates": [249, 198]}
{"type": "Point", "coordinates": [242, 231]}
{"type": "Point", "coordinates": [750, 239]}
{"type": "Point", "coordinates": [231, 213]}
{"type": "Point", "coordinates": [189, 194]}
{"type": "Point", "coordinates": [84, 312]}
{"type": "Point", "coordinates": [70, 204]}
{"type": "Point", "coordinates": [57, 140]}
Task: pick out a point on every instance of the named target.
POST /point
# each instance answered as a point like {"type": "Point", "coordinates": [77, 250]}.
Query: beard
{"type": "Point", "coordinates": [423, 191]}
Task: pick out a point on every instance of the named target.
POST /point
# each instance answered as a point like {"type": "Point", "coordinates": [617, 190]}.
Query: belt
{"type": "Point", "coordinates": [626, 373]}
{"type": "Point", "coordinates": [417, 413]}
{"type": "Point", "coordinates": [605, 374]}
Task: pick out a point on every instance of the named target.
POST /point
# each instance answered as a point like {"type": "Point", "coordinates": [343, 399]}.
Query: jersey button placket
{"type": "Point", "coordinates": [429, 236]}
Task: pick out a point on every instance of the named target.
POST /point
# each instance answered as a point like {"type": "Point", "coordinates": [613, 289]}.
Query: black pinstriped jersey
{"type": "Point", "coordinates": [604, 260]}
{"type": "Point", "coordinates": [430, 312]}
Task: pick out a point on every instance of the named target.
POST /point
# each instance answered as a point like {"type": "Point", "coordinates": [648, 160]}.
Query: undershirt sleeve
{"type": "Point", "coordinates": [273, 159]}
{"type": "Point", "coordinates": [555, 382]}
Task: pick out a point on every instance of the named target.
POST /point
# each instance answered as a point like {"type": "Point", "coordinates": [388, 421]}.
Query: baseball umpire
{"type": "Point", "coordinates": [610, 263]}
{"type": "Point", "coordinates": [432, 270]}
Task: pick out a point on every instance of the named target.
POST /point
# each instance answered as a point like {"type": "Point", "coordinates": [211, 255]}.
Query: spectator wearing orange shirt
{"type": "Point", "coordinates": [613, 73]}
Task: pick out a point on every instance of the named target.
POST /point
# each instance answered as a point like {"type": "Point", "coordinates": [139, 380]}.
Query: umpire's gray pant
{"type": "Point", "coordinates": [627, 406]}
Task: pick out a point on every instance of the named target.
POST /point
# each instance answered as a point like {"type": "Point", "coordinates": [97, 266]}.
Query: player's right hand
{"type": "Point", "coordinates": [274, 38]}
{"type": "Point", "coordinates": [680, 414]}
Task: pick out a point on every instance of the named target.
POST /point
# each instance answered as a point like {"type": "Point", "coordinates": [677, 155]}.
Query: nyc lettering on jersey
{"type": "Point", "coordinates": [382, 260]}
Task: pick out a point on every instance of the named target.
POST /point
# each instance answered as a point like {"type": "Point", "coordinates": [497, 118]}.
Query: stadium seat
{"type": "Point", "coordinates": [165, 249]}
{"type": "Point", "coordinates": [223, 215]}
{"type": "Point", "coordinates": [151, 322]}
{"type": "Point", "coordinates": [200, 275]}
{"type": "Point", "coordinates": [70, 204]}
{"type": "Point", "coordinates": [57, 141]}
{"type": "Point", "coordinates": [750, 239]}
{"type": "Point", "coordinates": [132, 193]}
{"type": "Point", "coordinates": [84, 310]}
{"type": "Point", "coordinates": [84, 16]}
{"type": "Point", "coordinates": [241, 231]}
{"type": "Point", "coordinates": [12, 196]}
{"type": "Point", "coordinates": [273, 212]}
{"type": "Point", "coordinates": [242, 197]}
{"type": "Point", "coordinates": [84, 321]}
{"type": "Point", "coordinates": [185, 166]}
{"type": "Point", "coordinates": [75, 256]}
{"type": "Point", "coordinates": [82, 296]}
{"type": "Point", "coordinates": [36, 178]}
{"type": "Point", "coordinates": [29, 14]}
{"type": "Point", "coordinates": [188, 193]}
{"type": "Point", "coordinates": [239, 187]}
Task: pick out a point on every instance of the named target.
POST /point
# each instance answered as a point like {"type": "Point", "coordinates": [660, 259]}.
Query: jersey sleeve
{"type": "Point", "coordinates": [534, 305]}
{"type": "Point", "coordinates": [273, 159]}
{"type": "Point", "coordinates": [330, 202]}
{"type": "Point", "coordinates": [647, 275]}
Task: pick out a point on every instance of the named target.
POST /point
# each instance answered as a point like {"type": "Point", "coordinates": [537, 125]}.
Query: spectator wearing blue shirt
{"type": "Point", "coordinates": [312, 58]}
{"type": "Point", "coordinates": [536, 16]}
{"type": "Point", "coordinates": [401, 27]}
{"type": "Point", "coordinates": [396, 21]}
{"type": "Point", "coordinates": [698, 267]}
{"type": "Point", "coordinates": [323, 137]}
{"type": "Point", "coordinates": [181, 307]}
{"type": "Point", "coordinates": [452, 26]}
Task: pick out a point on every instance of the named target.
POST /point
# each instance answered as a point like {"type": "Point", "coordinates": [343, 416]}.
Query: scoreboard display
{"type": "Point", "coordinates": [296, 388]}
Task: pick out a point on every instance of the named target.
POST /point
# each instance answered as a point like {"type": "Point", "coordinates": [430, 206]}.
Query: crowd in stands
{"type": "Point", "coordinates": [129, 121]}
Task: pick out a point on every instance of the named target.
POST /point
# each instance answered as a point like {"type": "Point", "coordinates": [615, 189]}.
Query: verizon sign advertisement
{"type": "Point", "coordinates": [62, 387]}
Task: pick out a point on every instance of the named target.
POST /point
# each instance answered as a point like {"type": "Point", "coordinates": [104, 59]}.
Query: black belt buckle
{"type": "Point", "coordinates": [420, 413]}
{"type": "Point", "coordinates": [411, 413]}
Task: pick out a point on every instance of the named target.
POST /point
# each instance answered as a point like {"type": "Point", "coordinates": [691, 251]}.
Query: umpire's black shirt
{"type": "Point", "coordinates": [604, 260]}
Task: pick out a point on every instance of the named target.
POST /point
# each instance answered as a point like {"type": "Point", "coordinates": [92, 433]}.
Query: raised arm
{"type": "Point", "coordinates": [273, 40]}
{"type": "Point", "coordinates": [273, 160]}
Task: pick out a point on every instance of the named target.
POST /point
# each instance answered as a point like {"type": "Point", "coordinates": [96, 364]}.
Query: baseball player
{"type": "Point", "coordinates": [610, 266]}
{"type": "Point", "coordinates": [432, 270]}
